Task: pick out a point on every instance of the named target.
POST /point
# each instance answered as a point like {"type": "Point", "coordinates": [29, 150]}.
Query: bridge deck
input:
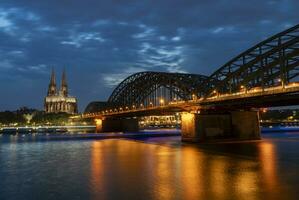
{"type": "Point", "coordinates": [258, 97]}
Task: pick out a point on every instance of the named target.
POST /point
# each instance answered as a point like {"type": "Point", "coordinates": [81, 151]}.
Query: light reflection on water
{"type": "Point", "coordinates": [126, 169]}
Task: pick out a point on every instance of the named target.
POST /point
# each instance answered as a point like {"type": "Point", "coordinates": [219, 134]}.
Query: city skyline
{"type": "Point", "coordinates": [102, 43]}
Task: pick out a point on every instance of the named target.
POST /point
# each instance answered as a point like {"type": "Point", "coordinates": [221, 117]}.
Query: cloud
{"type": "Point", "coordinates": [79, 39]}
{"type": "Point", "coordinates": [165, 58]}
{"type": "Point", "coordinates": [146, 32]}
{"type": "Point", "coordinates": [6, 24]}
{"type": "Point", "coordinates": [113, 79]}
{"type": "Point", "coordinates": [10, 17]}
{"type": "Point", "coordinates": [176, 38]}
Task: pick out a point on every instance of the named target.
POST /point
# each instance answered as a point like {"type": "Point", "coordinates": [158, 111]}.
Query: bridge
{"type": "Point", "coordinates": [222, 105]}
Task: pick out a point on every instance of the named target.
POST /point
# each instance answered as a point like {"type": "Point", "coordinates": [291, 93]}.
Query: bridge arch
{"type": "Point", "coordinates": [271, 62]}
{"type": "Point", "coordinates": [145, 88]}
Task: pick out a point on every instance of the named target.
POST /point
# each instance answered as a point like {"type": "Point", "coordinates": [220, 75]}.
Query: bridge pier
{"type": "Point", "coordinates": [232, 125]}
{"type": "Point", "coordinates": [117, 125]}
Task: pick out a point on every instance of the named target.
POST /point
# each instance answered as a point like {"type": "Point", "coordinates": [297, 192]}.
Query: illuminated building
{"type": "Point", "coordinates": [60, 101]}
{"type": "Point", "coordinates": [166, 121]}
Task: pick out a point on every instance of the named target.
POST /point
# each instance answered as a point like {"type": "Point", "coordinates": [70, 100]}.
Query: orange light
{"type": "Point", "coordinates": [98, 122]}
{"type": "Point", "coordinates": [264, 110]}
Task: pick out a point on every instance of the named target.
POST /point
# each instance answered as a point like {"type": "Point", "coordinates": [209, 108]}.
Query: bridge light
{"type": "Point", "coordinates": [264, 110]}
{"type": "Point", "coordinates": [133, 106]}
{"type": "Point", "coordinates": [151, 103]}
{"type": "Point", "coordinates": [162, 102]}
{"type": "Point", "coordinates": [127, 108]}
{"type": "Point", "coordinates": [194, 97]}
{"type": "Point", "coordinates": [120, 108]}
{"type": "Point", "coordinates": [242, 86]}
{"type": "Point", "coordinates": [141, 105]}
{"type": "Point", "coordinates": [98, 122]}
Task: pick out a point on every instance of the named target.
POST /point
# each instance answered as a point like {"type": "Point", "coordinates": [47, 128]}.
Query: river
{"type": "Point", "coordinates": [149, 168]}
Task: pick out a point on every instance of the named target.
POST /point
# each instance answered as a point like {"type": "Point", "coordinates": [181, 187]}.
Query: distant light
{"type": "Point", "coordinates": [264, 110]}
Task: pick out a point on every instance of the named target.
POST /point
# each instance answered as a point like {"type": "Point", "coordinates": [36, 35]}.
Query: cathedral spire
{"type": "Point", "coordinates": [52, 85]}
{"type": "Point", "coordinates": [63, 82]}
{"type": "Point", "coordinates": [64, 88]}
{"type": "Point", "coordinates": [53, 79]}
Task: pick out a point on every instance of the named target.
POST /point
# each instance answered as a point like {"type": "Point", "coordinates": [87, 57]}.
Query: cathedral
{"type": "Point", "coordinates": [59, 101]}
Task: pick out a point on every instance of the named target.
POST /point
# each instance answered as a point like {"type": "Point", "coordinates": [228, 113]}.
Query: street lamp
{"type": "Point", "coordinates": [194, 97]}
{"type": "Point", "coordinates": [243, 88]}
{"type": "Point", "coordinates": [162, 102]}
{"type": "Point", "coordinates": [281, 81]}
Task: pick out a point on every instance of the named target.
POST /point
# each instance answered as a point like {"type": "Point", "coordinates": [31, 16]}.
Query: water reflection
{"type": "Point", "coordinates": [184, 172]}
{"type": "Point", "coordinates": [268, 160]}
{"type": "Point", "coordinates": [161, 169]}
{"type": "Point", "coordinates": [97, 171]}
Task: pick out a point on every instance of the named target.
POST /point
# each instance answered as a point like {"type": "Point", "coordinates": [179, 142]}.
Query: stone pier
{"type": "Point", "coordinates": [233, 125]}
{"type": "Point", "coordinates": [117, 125]}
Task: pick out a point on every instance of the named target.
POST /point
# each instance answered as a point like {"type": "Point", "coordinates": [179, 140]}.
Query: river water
{"type": "Point", "coordinates": [149, 168]}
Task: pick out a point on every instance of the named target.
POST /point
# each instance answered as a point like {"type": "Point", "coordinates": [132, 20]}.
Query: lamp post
{"type": "Point", "coordinates": [243, 88]}
{"type": "Point", "coordinates": [282, 82]}
{"type": "Point", "coordinates": [162, 102]}
{"type": "Point", "coordinates": [194, 97]}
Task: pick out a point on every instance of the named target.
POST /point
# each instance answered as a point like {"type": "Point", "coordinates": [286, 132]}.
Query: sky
{"type": "Point", "coordinates": [100, 43]}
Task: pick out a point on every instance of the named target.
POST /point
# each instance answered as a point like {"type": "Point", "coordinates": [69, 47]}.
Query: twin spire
{"type": "Point", "coordinates": [52, 91]}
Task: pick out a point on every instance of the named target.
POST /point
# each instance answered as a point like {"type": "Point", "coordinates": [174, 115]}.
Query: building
{"type": "Point", "coordinates": [59, 101]}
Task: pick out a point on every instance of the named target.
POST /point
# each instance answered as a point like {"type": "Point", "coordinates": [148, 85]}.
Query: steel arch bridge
{"type": "Point", "coordinates": [271, 63]}
{"type": "Point", "coordinates": [147, 88]}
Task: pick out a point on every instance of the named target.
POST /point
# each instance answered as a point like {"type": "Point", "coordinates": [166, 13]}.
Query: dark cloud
{"type": "Point", "coordinates": [102, 42]}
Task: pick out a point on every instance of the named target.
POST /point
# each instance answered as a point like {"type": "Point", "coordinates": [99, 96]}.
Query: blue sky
{"type": "Point", "coordinates": [102, 42]}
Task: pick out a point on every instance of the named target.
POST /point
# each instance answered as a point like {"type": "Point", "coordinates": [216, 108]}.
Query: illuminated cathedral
{"type": "Point", "coordinates": [59, 101]}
